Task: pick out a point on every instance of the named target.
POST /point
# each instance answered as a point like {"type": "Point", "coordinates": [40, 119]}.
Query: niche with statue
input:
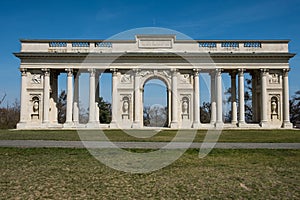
{"type": "Point", "coordinates": [35, 113]}
{"type": "Point", "coordinates": [274, 108]}
{"type": "Point", "coordinates": [185, 108]}
{"type": "Point", "coordinates": [125, 108]}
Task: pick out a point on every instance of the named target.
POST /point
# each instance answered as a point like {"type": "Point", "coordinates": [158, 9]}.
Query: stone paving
{"type": "Point", "coordinates": [143, 145]}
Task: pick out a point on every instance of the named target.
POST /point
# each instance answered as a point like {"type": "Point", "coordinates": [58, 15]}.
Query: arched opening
{"type": "Point", "coordinates": [155, 103]}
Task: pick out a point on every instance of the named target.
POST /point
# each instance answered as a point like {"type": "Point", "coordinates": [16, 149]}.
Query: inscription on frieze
{"type": "Point", "coordinates": [155, 44]}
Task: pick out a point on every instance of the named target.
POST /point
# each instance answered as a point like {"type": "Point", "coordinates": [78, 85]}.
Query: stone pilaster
{"type": "Point", "coordinates": [114, 105]}
{"type": "Point", "coordinates": [46, 99]}
{"type": "Point", "coordinates": [174, 121]}
{"type": "Point", "coordinates": [196, 123]}
{"type": "Point", "coordinates": [137, 100]}
{"type": "Point", "coordinates": [264, 98]}
{"type": "Point", "coordinates": [286, 106]}
{"type": "Point", "coordinates": [23, 109]}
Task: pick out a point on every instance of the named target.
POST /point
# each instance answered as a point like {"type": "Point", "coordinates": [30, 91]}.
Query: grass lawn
{"type": "Point", "coordinates": [224, 174]}
{"type": "Point", "coordinates": [163, 136]}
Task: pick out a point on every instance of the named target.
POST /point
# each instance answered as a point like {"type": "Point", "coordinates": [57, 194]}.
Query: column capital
{"type": "Point", "coordinates": [77, 73]}
{"type": "Point", "coordinates": [174, 72]}
{"type": "Point", "coordinates": [233, 73]}
{"type": "Point", "coordinates": [241, 71]}
{"type": "Point", "coordinates": [23, 71]}
{"type": "Point", "coordinates": [286, 71]}
{"type": "Point", "coordinates": [92, 71]}
{"type": "Point", "coordinates": [114, 71]}
{"type": "Point", "coordinates": [264, 71]}
{"type": "Point", "coordinates": [46, 71]}
{"type": "Point", "coordinates": [69, 71]}
{"type": "Point", "coordinates": [196, 72]}
{"type": "Point", "coordinates": [219, 71]}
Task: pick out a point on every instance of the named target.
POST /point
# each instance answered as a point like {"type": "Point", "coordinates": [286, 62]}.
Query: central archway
{"type": "Point", "coordinates": [155, 103]}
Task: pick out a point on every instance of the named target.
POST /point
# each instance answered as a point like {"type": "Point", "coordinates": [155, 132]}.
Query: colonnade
{"type": "Point", "coordinates": [237, 108]}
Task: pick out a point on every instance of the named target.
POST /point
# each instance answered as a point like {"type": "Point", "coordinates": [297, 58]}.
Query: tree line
{"type": "Point", "coordinates": [153, 116]}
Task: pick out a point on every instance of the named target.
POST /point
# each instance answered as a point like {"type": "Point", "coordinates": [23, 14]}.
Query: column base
{"type": "Point", "coordinates": [136, 125]}
{"type": "Point", "coordinates": [287, 125]}
{"type": "Point", "coordinates": [212, 122]}
{"type": "Point", "coordinates": [196, 125]}
{"type": "Point", "coordinates": [174, 125]}
{"type": "Point", "coordinates": [264, 124]}
{"type": "Point", "coordinates": [113, 125]}
{"type": "Point", "coordinates": [68, 125]}
{"type": "Point", "coordinates": [93, 125]}
{"type": "Point", "coordinates": [219, 124]}
{"type": "Point", "coordinates": [235, 123]}
{"type": "Point", "coordinates": [22, 125]}
{"type": "Point", "coordinates": [242, 124]}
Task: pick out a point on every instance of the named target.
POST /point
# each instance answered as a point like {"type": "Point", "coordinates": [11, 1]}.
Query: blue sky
{"type": "Point", "coordinates": [208, 19]}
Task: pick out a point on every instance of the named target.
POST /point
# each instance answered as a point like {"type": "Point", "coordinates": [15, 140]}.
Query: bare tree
{"type": "Point", "coordinates": [2, 99]}
{"type": "Point", "coordinates": [9, 115]}
{"type": "Point", "coordinates": [295, 108]}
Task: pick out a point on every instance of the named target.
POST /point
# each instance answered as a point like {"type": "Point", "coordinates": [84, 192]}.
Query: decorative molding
{"type": "Point", "coordinates": [274, 78]}
{"type": "Point", "coordinates": [185, 78]}
{"type": "Point", "coordinates": [126, 78]}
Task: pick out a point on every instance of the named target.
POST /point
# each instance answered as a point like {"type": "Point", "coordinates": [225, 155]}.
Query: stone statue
{"type": "Point", "coordinates": [125, 107]}
{"type": "Point", "coordinates": [273, 106]}
{"type": "Point", "coordinates": [35, 106]}
{"type": "Point", "coordinates": [185, 107]}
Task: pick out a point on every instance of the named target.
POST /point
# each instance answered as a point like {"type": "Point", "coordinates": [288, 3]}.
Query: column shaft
{"type": "Point", "coordinates": [69, 96]}
{"type": "Point", "coordinates": [46, 95]}
{"type": "Point", "coordinates": [196, 123]}
{"type": "Point", "coordinates": [137, 100]}
{"type": "Point", "coordinates": [76, 98]}
{"type": "Point", "coordinates": [213, 111]}
{"type": "Point", "coordinates": [23, 111]}
{"type": "Point", "coordinates": [174, 122]}
{"type": "Point", "coordinates": [233, 98]}
{"type": "Point", "coordinates": [219, 98]}
{"type": "Point", "coordinates": [241, 97]}
{"type": "Point", "coordinates": [264, 101]}
{"type": "Point", "coordinates": [92, 96]}
{"type": "Point", "coordinates": [286, 106]}
{"type": "Point", "coordinates": [114, 96]}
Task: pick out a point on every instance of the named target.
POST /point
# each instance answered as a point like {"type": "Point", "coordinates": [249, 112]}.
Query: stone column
{"type": "Point", "coordinates": [233, 98]}
{"type": "Point", "coordinates": [69, 120]}
{"type": "Point", "coordinates": [286, 106]}
{"type": "Point", "coordinates": [23, 109]}
{"type": "Point", "coordinates": [213, 113]}
{"type": "Point", "coordinates": [76, 98]}
{"type": "Point", "coordinates": [92, 96]}
{"type": "Point", "coordinates": [174, 100]}
{"type": "Point", "coordinates": [137, 100]}
{"type": "Point", "coordinates": [196, 123]}
{"type": "Point", "coordinates": [264, 98]}
{"type": "Point", "coordinates": [219, 122]}
{"type": "Point", "coordinates": [241, 98]}
{"type": "Point", "coordinates": [97, 95]}
{"type": "Point", "coordinates": [114, 105]}
{"type": "Point", "coordinates": [46, 105]}
{"type": "Point", "coordinates": [254, 97]}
